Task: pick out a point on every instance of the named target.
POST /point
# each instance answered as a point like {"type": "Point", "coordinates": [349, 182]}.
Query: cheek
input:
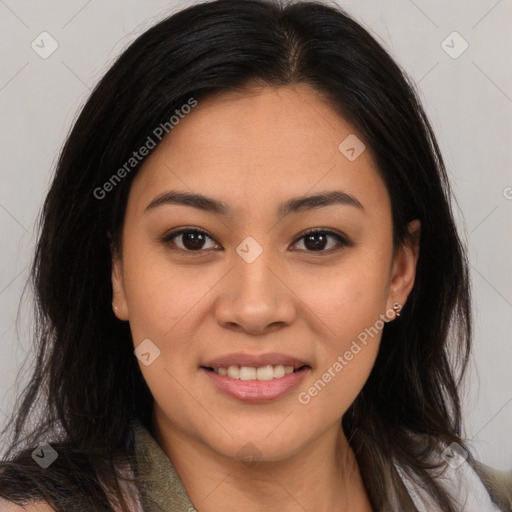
{"type": "Point", "coordinates": [163, 302]}
{"type": "Point", "coordinates": [351, 297]}
{"type": "Point", "coordinates": [162, 296]}
{"type": "Point", "coordinates": [343, 366]}
{"type": "Point", "coordinates": [350, 305]}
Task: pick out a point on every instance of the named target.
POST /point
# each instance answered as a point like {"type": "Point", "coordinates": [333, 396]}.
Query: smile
{"type": "Point", "coordinates": [267, 372]}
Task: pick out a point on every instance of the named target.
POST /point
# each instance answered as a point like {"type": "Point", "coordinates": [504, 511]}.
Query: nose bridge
{"type": "Point", "coordinates": [257, 297]}
{"type": "Point", "coordinates": [252, 268]}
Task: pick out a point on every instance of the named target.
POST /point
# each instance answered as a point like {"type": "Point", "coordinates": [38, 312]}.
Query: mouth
{"type": "Point", "coordinates": [255, 384]}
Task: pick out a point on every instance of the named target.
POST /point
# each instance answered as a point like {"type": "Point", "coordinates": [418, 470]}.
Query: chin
{"type": "Point", "coordinates": [251, 444]}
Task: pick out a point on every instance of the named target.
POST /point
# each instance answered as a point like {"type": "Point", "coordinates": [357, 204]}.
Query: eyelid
{"type": "Point", "coordinates": [343, 240]}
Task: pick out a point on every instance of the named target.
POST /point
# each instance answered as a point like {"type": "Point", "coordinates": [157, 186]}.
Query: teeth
{"type": "Point", "coordinates": [234, 372]}
{"type": "Point", "coordinates": [265, 373]}
{"type": "Point", "coordinates": [268, 372]}
{"type": "Point", "coordinates": [247, 373]}
{"type": "Point", "coordinates": [279, 371]}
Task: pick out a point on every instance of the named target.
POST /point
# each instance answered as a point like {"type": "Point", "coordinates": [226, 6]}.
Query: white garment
{"type": "Point", "coordinates": [461, 483]}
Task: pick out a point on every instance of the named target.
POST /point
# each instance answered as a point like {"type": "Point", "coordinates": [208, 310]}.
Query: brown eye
{"type": "Point", "coordinates": [187, 240]}
{"type": "Point", "coordinates": [318, 240]}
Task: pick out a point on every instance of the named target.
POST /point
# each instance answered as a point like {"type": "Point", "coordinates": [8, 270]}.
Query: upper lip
{"type": "Point", "coordinates": [254, 360]}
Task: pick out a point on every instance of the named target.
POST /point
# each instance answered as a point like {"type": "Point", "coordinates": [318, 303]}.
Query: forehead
{"type": "Point", "coordinates": [259, 144]}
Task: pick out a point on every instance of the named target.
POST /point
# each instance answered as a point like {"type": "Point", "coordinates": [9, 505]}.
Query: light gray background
{"type": "Point", "coordinates": [468, 99]}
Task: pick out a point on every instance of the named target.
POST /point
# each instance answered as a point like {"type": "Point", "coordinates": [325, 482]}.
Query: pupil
{"type": "Point", "coordinates": [315, 245]}
{"type": "Point", "coordinates": [193, 240]}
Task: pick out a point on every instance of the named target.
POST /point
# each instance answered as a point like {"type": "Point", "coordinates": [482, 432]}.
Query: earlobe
{"type": "Point", "coordinates": [404, 266]}
{"type": "Point", "coordinates": [119, 304]}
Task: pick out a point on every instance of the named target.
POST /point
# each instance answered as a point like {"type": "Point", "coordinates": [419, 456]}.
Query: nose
{"type": "Point", "coordinates": [255, 297]}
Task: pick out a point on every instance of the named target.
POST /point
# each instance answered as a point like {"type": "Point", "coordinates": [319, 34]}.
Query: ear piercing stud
{"type": "Point", "coordinates": [397, 308]}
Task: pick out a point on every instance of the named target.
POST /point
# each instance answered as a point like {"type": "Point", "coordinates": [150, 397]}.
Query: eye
{"type": "Point", "coordinates": [316, 240]}
{"type": "Point", "coordinates": [192, 240]}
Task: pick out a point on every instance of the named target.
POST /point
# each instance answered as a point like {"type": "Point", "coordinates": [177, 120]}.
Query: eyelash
{"type": "Point", "coordinates": [168, 240]}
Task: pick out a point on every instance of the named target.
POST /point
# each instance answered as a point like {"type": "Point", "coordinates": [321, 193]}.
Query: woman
{"type": "Point", "coordinates": [250, 285]}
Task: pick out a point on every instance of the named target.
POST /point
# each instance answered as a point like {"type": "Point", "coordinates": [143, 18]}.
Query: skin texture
{"type": "Point", "coordinates": [254, 150]}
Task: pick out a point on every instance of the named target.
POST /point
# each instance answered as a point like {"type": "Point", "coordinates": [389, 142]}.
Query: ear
{"type": "Point", "coordinates": [403, 270]}
{"type": "Point", "coordinates": [119, 303]}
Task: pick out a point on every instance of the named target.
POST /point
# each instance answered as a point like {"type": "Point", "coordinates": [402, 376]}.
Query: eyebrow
{"type": "Point", "coordinates": [293, 205]}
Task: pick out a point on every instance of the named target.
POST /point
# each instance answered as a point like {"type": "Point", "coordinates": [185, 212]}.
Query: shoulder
{"type": "Point", "coordinates": [470, 484]}
{"type": "Point", "coordinates": [66, 481]}
{"type": "Point", "coordinates": [497, 483]}
{"type": "Point", "coordinates": [73, 481]}
{"type": "Point", "coordinates": [9, 506]}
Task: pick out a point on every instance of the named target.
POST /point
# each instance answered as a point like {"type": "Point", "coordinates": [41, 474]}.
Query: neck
{"type": "Point", "coordinates": [324, 476]}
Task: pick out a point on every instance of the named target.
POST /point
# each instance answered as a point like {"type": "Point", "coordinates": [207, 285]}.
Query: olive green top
{"type": "Point", "coordinates": [162, 489]}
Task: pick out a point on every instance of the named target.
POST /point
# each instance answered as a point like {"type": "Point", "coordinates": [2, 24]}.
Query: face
{"type": "Point", "coordinates": [240, 281]}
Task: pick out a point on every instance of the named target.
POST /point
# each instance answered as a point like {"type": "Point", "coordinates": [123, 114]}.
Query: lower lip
{"type": "Point", "coordinates": [257, 390]}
